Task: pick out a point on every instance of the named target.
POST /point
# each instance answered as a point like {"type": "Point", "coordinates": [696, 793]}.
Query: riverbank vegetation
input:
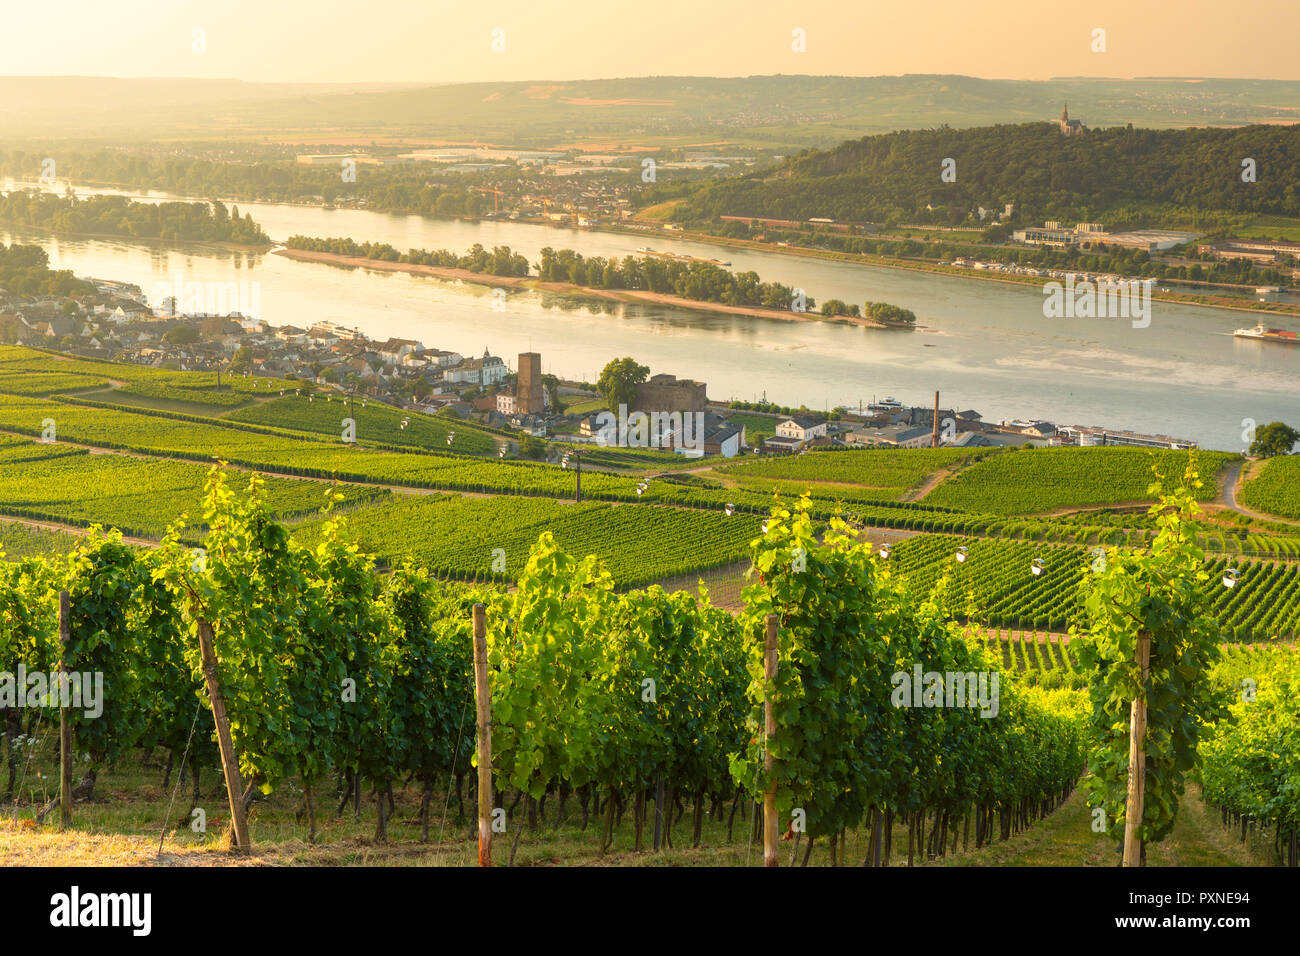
{"type": "Point", "coordinates": [25, 270]}
{"type": "Point", "coordinates": [119, 216]}
{"type": "Point", "coordinates": [501, 261]}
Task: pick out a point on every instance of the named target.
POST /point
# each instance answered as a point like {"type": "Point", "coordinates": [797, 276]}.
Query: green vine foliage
{"type": "Point", "coordinates": [849, 633]}
{"type": "Point", "coordinates": [1251, 765]}
{"type": "Point", "coordinates": [553, 668]}
{"type": "Point", "coordinates": [428, 726]}
{"type": "Point", "coordinates": [1158, 590]}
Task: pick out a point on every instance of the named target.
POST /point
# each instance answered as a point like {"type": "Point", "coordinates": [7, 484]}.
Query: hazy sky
{"type": "Point", "coordinates": [450, 40]}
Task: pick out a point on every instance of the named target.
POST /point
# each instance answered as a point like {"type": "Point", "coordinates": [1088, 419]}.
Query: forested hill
{"type": "Point", "coordinates": [1186, 177]}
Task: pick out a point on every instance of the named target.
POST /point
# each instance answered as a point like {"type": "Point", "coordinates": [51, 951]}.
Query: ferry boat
{"type": "Point", "coordinates": [890, 404]}
{"type": "Point", "coordinates": [1270, 335]}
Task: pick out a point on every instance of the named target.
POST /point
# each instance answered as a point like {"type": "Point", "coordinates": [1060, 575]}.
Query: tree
{"type": "Point", "coordinates": [243, 360]}
{"type": "Point", "coordinates": [618, 381]}
{"type": "Point", "coordinates": [552, 384]}
{"type": "Point", "coordinates": [1275, 438]}
{"type": "Point", "coordinates": [181, 335]}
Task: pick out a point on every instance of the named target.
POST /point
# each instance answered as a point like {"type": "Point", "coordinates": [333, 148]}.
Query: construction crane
{"type": "Point", "coordinates": [496, 196]}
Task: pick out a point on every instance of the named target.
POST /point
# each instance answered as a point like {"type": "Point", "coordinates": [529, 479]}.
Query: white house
{"type": "Point", "coordinates": [488, 370]}
{"type": "Point", "coordinates": [802, 428]}
{"type": "Point", "coordinates": [394, 350]}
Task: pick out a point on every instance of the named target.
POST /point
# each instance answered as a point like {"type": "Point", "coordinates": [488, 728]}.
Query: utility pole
{"type": "Point", "coordinates": [576, 455]}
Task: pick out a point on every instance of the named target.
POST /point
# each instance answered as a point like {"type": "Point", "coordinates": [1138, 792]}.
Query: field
{"type": "Point", "coordinates": [488, 539]}
{"type": "Point", "coordinates": [1276, 489]}
{"type": "Point", "coordinates": [1045, 479]}
{"type": "Point", "coordinates": [996, 580]}
{"type": "Point", "coordinates": [890, 472]}
{"type": "Point", "coordinates": [1271, 227]}
{"type": "Point", "coordinates": [375, 423]}
{"type": "Point", "coordinates": [140, 497]}
{"type": "Point", "coordinates": [18, 540]}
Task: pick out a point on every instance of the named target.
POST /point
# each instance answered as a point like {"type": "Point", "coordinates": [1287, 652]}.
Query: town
{"type": "Point", "coordinates": [116, 323]}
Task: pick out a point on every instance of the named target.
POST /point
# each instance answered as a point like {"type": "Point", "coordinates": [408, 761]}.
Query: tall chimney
{"type": "Point", "coordinates": [934, 438]}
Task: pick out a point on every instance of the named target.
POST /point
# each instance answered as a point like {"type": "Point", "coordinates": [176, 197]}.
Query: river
{"type": "Point", "coordinates": [983, 345]}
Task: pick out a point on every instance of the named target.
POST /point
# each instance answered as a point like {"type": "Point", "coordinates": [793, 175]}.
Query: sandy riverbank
{"type": "Point", "coordinates": [1233, 304]}
{"type": "Point", "coordinates": [632, 296]}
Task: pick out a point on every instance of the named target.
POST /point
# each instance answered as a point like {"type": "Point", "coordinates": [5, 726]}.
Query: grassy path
{"type": "Point", "coordinates": [1066, 839]}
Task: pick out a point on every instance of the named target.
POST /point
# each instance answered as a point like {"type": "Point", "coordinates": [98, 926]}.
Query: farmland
{"type": "Point", "coordinates": [488, 539]}
{"type": "Point", "coordinates": [891, 471]}
{"type": "Point", "coordinates": [1276, 489]}
{"type": "Point", "coordinates": [140, 497]}
{"type": "Point", "coordinates": [991, 493]}
{"type": "Point", "coordinates": [995, 584]}
{"type": "Point", "coordinates": [1044, 479]}
{"type": "Point", "coordinates": [323, 415]}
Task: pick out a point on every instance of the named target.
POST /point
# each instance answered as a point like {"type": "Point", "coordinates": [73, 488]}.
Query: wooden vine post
{"type": "Point", "coordinates": [65, 728]}
{"type": "Point", "coordinates": [1137, 758]}
{"type": "Point", "coordinates": [229, 763]}
{"type": "Point", "coordinates": [770, 829]}
{"type": "Point", "coordinates": [483, 706]}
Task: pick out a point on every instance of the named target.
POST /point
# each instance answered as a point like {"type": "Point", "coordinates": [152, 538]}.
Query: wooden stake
{"type": "Point", "coordinates": [229, 763]}
{"type": "Point", "coordinates": [659, 811]}
{"type": "Point", "coordinates": [770, 828]}
{"type": "Point", "coordinates": [65, 728]}
{"type": "Point", "coordinates": [1137, 758]}
{"type": "Point", "coordinates": [483, 705]}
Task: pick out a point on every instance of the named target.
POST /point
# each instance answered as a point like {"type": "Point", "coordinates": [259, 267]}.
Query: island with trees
{"type": "Point", "coordinates": [119, 216]}
{"type": "Point", "coordinates": [694, 284]}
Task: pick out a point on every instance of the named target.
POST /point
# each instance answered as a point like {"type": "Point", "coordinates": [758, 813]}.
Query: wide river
{"type": "Point", "coordinates": [984, 345]}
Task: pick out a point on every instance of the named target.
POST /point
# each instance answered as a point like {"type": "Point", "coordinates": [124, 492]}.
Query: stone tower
{"type": "Point", "coordinates": [528, 385]}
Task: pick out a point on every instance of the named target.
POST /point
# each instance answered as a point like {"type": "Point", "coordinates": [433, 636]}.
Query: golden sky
{"type": "Point", "coordinates": [342, 41]}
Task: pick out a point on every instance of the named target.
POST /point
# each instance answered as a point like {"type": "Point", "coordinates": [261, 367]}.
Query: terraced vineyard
{"type": "Point", "coordinates": [488, 539]}
{"type": "Point", "coordinates": [323, 414]}
{"type": "Point", "coordinates": [1276, 489]}
{"type": "Point", "coordinates": [18, 541]}
{"type": "Point", "coordinates": [140, 497]}
{"type": "Point", "coordinates": [25, 371]}
{"type": "Point", "coordinates": [1262, 603]}
{"type": "Point", "coordinates": [1023, 481]}
{"type": "Point", "coordinates": [18, 381]}
{"type": "Point", "coordinates": [886, 472]}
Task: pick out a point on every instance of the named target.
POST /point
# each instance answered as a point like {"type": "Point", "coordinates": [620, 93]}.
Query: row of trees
{"type": "Point", "coordinates": [501, 261]}
{"type": "Point", "coordinates": [692, 280]}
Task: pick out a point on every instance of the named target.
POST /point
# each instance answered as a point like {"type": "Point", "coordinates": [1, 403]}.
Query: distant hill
{"type": "Point", "coordinates": [780, 112]}
{"type": "Point", "coordinates": [1135, 176]}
